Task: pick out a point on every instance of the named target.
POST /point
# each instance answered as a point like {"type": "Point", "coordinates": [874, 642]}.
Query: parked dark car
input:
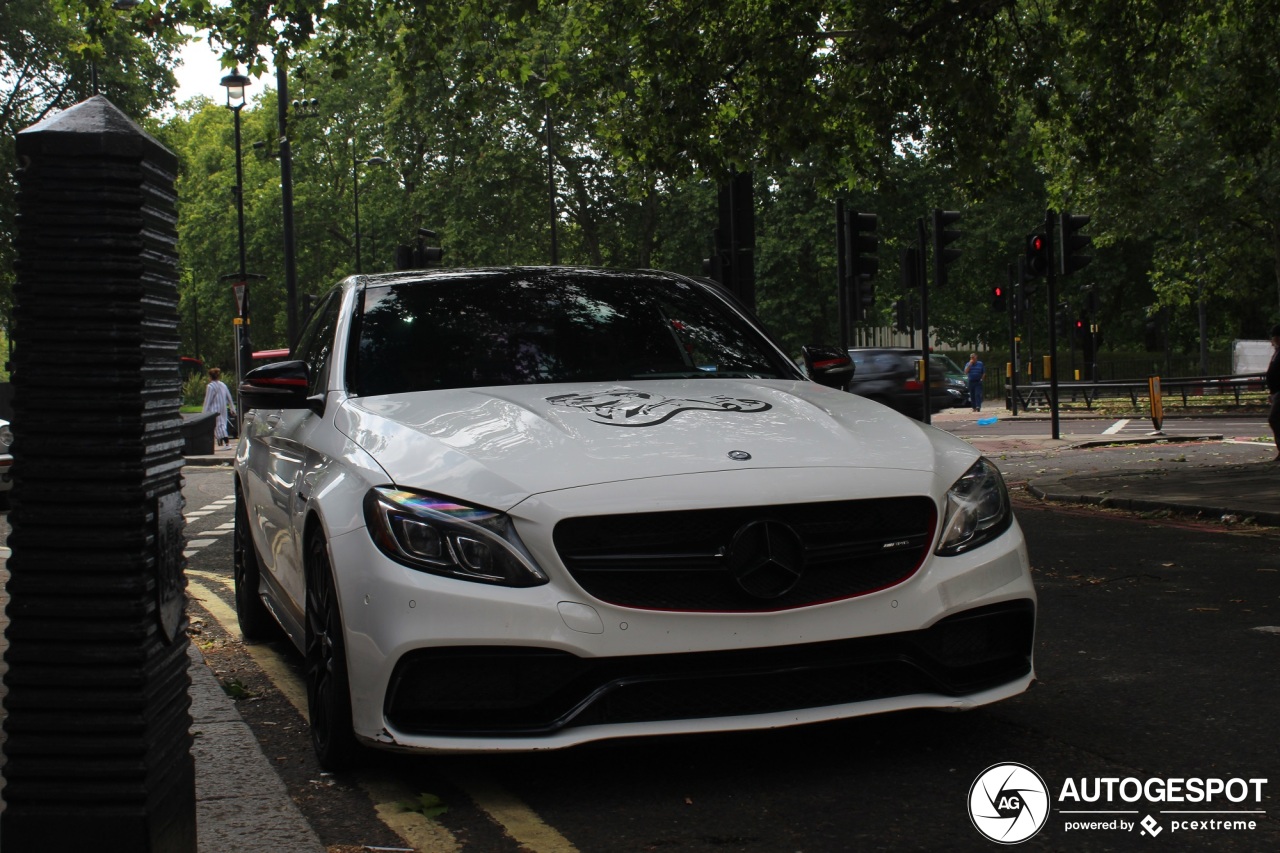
{"type": "Point", "coordinates": [891, 376]}
{"type": "Point", "coordinates": [956, 381]}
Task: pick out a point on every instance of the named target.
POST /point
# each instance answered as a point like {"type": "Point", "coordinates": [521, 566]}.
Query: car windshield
{"type": "Point", "coordinates": [525, 327]}
{"type": "Point", "coordinates": [945, 363]}
{"type": "Point", "coordinates": [869, 361]}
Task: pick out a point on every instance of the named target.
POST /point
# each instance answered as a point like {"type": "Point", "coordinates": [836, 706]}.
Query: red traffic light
{"type": "Point", "coordinates": [1037, 255]}
{"type": "Point", "coordinates": [998, 292]}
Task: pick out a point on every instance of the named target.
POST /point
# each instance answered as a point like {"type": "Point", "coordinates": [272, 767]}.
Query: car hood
{"type": "Point", "coordinates": [500, 445]}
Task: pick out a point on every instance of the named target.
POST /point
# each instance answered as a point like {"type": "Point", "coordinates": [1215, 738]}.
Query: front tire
{"type": "Point", "coordinates": [256, 622]}
{"type": "Point", "coordinates": [328, 687]}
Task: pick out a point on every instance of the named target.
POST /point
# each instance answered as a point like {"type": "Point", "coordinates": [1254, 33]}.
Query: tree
{"type": "Point", "coordinates": [50, 51]}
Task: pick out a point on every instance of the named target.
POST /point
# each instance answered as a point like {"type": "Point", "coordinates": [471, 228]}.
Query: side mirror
{"type": "Point", "coordinates": [281, 385]}
{"type": "Point", "coordinates": [829, 366]}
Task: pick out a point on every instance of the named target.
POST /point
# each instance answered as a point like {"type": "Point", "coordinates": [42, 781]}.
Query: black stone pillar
{"type": "Point", "coordinates": [98, 711]}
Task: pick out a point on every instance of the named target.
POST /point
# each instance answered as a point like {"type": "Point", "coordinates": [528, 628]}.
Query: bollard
{"type": "Point", "coordinates": [98, 708]}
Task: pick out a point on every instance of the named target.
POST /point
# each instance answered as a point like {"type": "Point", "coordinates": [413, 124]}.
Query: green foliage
{"type": "Point", "coordinates": [429, 806]}
{"type": "Point", "coordinates": [236, 689]}
{"type": "Point", "coordinates": [1155, 117]}
{"type": "Point", "coordinates": [193, 387]}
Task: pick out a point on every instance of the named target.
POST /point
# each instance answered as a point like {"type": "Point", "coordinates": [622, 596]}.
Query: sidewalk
{"type": "Point", "coordinates": [241, 803]}
{"type": "Point", "coordinates": [220, 456]}
{"type": "Point", "coordinates": [1246, 489]}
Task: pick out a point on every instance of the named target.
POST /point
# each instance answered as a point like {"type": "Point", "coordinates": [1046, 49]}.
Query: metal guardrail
{"type": "Point", "coordinates": [1243, 389]}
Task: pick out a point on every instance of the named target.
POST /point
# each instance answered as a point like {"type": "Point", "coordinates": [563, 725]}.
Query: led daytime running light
{"type": "Point", "coordinates": [473, 543]}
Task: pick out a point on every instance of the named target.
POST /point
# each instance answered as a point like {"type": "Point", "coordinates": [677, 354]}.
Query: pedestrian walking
{"type": "Point", "coordinates": [217, 399]}
{"type": "Point", "coordinates": [975, 370]}
{"type": "Point", "coordinates": [1273, 388]}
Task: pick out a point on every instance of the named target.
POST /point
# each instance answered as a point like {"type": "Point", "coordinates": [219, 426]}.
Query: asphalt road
{"type": "Point", "coordinates": [1154, 658]}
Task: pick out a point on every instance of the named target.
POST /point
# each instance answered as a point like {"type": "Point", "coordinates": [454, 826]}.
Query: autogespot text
{"type": "Point", "coordinates": [1131, 790]}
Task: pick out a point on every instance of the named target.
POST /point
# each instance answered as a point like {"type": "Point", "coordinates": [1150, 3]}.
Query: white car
{"type": "Point", "coordinates": [521, 509]}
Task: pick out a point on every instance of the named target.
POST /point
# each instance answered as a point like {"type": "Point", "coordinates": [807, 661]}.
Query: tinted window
{"type": "Point", "coordinates": [315, 344]}
{"type": "Point", "coordinates": [525, 327]}
{"type": "Point", "coordinates": [871, 362]}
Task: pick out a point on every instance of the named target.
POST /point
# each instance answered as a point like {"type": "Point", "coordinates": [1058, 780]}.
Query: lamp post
{"type": "Point", "coordinates": [298, 109]}
{"type": "Point", "coordinates": [551, 185]}
{"type": "Point", "coordinates": [355, 172]}
{"type": "Point", "coordinates": [235, 82]}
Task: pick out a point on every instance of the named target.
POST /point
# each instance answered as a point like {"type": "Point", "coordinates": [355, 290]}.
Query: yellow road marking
{"type": "Point", "coordinates": [425, 835]}
{"type": "Point", "coordinates": [265, 657]}
{"type": "Point", "coordinates": [520, 821]}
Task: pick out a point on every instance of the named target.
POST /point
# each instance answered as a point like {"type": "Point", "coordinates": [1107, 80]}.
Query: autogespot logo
{"type": "Point", "coordinates": [1009, 803]}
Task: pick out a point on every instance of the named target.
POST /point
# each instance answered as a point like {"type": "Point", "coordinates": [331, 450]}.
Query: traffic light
{"type": "Point", "coordinates": [863, 263]}
{"type": "Point", "coordinates": [997, 299]}
{"type": "Point", "coordinates": [419, 255]}
{"type": "Point", "coordinates": [943, 237]}
{"type": "Point", "coordinates": [863, 244]}
{"type": "Point", "coordinates": [902, 315]}
{"type": "Point", "coordinates": [1074, 244]}
{"type": "Point", "coordinates": [1037, 260]}
{"type": "Point", "coordinates": [1026, 283]}
{"type": "Point", "coordinates": [1063, 316]}
{"type": "Point", "coordinates": [1014, 289]}
{"type": "Point", "coordinates": [1080, 330]}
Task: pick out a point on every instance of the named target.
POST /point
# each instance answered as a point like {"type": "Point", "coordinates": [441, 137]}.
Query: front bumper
{"type": "Point", "coordinates": [439, 664]}
{"type": "Point", "coordinates": [492, 691]}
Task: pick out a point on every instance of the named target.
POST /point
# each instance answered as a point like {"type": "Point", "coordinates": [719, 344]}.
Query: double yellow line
{"type": "Point", "coordinates": [424, 835]}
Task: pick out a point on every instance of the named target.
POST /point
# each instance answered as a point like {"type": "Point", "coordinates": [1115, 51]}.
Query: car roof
{"type": "Point", "coordinates": [514, 273]}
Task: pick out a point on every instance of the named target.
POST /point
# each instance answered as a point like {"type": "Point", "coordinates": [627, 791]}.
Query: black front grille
{"type": "Point", "coordinates": [681, 560]}
{"type": "Point", "coordinates": [502, 691]}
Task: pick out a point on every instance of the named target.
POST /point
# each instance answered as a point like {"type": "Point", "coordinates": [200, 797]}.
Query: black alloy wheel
{"type": "Point", "coordinates": [256, 622]}
{"type": "Point", "coordinates": [328, 689]}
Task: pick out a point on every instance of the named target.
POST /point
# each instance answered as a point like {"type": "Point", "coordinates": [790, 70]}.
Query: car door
{"type": "Point", "coordinates": [281, 439]}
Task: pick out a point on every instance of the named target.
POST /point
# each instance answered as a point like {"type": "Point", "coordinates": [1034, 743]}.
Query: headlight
{"type": "Point", "coordinates": [6, 438]}
{"type": "Point", "coordinates": [977, 510]}
{"type": "Point", "coordinates": [438, 535]}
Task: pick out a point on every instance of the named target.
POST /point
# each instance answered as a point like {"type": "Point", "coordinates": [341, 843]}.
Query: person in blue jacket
{"type": "Point", "coordinates": [974, 370]}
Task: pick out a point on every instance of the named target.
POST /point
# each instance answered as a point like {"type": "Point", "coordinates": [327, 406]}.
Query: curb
{"type": "Point", "coordinates": [1266, 519]}
{"type": "Point", "coordinates": [241, 802]}
{"type": "Point", "coordinates": [1148, 439]}
{"type": "Point", "coordinates": [209, 461]}
{"type": "Point", "coordinates": [1038, 444]}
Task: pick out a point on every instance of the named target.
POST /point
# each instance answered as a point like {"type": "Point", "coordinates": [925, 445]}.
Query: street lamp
{"type": "Point", "coordinates": [235, 83]}
{"type": "Point", "coordinates": [355, 171]}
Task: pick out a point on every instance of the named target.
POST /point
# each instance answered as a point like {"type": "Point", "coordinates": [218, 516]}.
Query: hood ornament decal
{"type": "Point", "coordinates": [627, 407]}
